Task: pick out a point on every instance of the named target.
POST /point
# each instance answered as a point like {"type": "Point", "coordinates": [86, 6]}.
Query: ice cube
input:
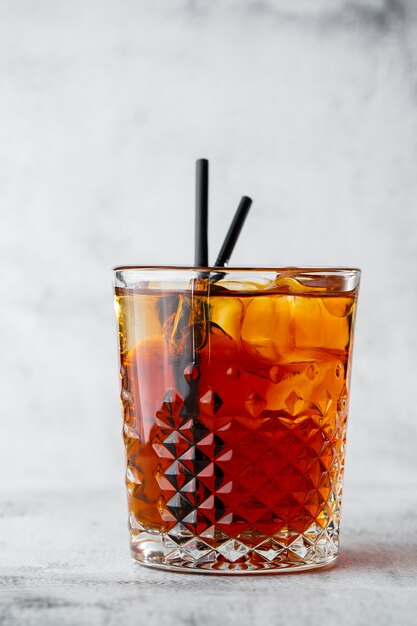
{"type": "Point", "coordinates": [185, 329]}
{"type": "Point", "coordinates": [227, 313]}
{"type": "Point", "coordinates": [287, 283]}
{"type": "Point", "coordinates": [266, 330]}
{"type": "Point", "coordinates": [338, 306]}
{"type": "Point", "coordinates": [315, 327]}
{"type": "Point", "coordinates": [307, 322]}
{"type": "Point", "coordinates": [138, 318]}
{"type": "Point", "coordinates": [289, 328]}
{"type": "Point", "coordinates": [147, 354]}
{"type": "Point", "coordinates": [148, 377]}
{"type": "Point", "coordinates": [319, 383]}
{"type": "Point", "coordinates": [336, 322]}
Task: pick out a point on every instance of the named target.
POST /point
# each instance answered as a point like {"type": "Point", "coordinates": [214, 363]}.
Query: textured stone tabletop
{"type": "Point", "coordinates": [65, 560]}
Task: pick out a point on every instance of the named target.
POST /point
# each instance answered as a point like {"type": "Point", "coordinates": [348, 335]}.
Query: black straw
{"type": "Point", "coordinates": [201, 213]}
{"type": "Point", "coordinates": [234, 232]}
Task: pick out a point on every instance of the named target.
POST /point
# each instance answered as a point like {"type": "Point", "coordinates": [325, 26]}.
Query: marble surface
{"type": "Point", "coordinates": [65, 560]}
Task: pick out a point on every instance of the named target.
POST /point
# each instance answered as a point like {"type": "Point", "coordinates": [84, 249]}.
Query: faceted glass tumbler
{"type": "Point", "coordinates": [235, 391]}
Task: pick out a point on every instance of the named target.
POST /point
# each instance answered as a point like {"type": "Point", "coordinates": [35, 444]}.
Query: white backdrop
{"type": "Point", "coordinates": [309, 107]}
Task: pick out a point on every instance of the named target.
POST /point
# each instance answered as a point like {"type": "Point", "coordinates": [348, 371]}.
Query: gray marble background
{"type": "Point", "coordinates": [77, 572]}
{"type": "Point", "coordinates": [310, 107]}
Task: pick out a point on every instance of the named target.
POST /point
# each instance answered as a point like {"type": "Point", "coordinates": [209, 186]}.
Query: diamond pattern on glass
{"type": "Point", "coordinates": [248, 493]}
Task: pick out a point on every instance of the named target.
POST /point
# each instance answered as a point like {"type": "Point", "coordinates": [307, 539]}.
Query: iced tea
{"type": "Point", "coordinates": [235, 400]}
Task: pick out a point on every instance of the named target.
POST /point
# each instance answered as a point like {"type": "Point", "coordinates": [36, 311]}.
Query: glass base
{"type": "Point", "coordinates": [288, 552]}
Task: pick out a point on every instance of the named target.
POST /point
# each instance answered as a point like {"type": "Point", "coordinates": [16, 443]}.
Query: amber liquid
{"type": "Point", "coordinates": [235, 409]}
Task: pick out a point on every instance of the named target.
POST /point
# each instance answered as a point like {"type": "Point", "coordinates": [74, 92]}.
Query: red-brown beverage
{"type": "Point", "coordinates": [235, 403]}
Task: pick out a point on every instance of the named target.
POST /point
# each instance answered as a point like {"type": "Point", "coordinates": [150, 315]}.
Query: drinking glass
{"type": "Point", "coordinates": [235, 391]}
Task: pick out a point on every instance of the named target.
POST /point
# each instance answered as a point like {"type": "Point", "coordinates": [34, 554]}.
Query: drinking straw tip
{"type": "Point", "coordinates": [201, 213]}
{"type": "Point", "coordinates": [234, 231]}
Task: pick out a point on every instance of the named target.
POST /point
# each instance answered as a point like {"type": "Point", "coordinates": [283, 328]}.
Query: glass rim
{"type": "Point", "coordinates": [294, 270]}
